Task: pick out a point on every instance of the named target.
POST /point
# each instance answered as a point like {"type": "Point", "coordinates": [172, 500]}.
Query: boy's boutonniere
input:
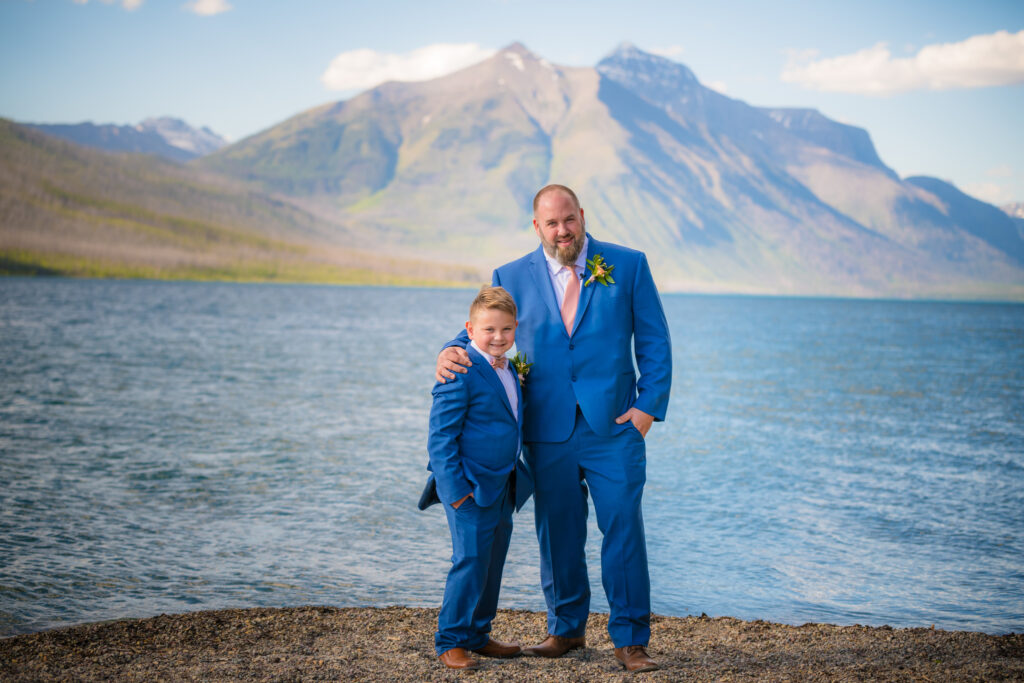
{"type": "Point", "coordinates": [522, 368]}
{"type": "Point", "coordinates": [600, 271]}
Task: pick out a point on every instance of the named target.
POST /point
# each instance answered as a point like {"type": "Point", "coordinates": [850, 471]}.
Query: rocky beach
{"type": "Point", "coordinates": [396, 644]}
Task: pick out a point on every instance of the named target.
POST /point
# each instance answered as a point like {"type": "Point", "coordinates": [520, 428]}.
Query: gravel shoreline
{"type": "Point", "coordinates": [396, 644]}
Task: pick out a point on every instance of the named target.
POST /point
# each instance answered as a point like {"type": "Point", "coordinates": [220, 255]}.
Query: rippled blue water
{"type": "Point", "coordinates": [168, 447]}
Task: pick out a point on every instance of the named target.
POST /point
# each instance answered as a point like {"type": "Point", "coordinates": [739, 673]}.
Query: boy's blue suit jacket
{"type": "Point", "coordinates": [474, 440]}
{"type": "Point", "coordinates": [594, 366]}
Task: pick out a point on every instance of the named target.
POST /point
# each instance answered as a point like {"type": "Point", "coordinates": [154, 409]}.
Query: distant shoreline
{"type": "Point", "coordinates": [426, 283]}
{"type": "Point", "coordinates": [30, 265]}
{"type": "Point", "coordinates": [396, 643]}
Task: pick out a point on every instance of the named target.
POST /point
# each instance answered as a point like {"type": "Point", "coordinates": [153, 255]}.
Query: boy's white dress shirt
{"type": "Point", "coordinates": [507, 376]}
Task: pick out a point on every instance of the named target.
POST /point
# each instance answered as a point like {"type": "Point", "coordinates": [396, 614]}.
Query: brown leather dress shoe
{"type": "Point", "coordinates": [496, 648]}
{"type": "Point", "coordinates": [458, 658]}
{"type": "Point", "coordinates": [555, 646]}
{"type": "Point", "coordinates": [635, 658]}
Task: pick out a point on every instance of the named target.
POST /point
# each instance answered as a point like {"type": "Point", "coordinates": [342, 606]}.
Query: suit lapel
{"type": "Point", "coordinates": [542, 278]}
{"type": "Point", "coordinates": [491, 377]}
{"type": "Point", "coordinates": [586, 293]}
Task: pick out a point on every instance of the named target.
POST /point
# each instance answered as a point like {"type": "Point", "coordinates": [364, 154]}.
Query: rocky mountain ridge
{"type": "Point", "coordinates": [165, 137]}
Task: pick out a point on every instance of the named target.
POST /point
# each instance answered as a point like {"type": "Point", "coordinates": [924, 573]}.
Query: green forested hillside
{"type": "Point", "coordinates": [68, 210]}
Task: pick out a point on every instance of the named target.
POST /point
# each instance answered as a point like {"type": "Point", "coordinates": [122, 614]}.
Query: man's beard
{"type": "Point", "coordinates": [567, 255]}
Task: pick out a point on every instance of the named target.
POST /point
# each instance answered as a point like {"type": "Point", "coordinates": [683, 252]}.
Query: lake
{"type": "Point", "coordinates": [171, 447]}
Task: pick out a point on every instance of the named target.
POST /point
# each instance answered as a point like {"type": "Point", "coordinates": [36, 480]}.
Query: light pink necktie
{"type": "Point", "coordinates": [571, 300]}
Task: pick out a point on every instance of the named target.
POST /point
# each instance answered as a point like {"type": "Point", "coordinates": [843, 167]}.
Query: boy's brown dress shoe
{"type": "Point", "coordinates": [496, 648]}
{"type": "Point", "coordinates": [555, 646]}
{"type": "Point", "coordinates": [635, 658]}
{"type": "Point", "coordinates": [457, 658]}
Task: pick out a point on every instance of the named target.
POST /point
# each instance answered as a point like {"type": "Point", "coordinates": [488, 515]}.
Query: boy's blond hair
{"type": "Point", "coordinates": [493, 297]}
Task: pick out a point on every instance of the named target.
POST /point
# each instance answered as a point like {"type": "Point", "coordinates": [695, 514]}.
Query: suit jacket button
{"type": "Point", "coordinates": [572, 346]}
{"type": "Point", "coordinates": [574, 378]}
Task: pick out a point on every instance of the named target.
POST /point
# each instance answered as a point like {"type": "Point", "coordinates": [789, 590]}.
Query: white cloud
{"type": "Point", "coordinates": [980, 61]}
{"type": "Point", "coordinates": [207, 8]}
{"type": "Point", "coordinates": [1001, 171]}
{"type": "Point", "coordinates": [363, 69]}
{"type": "Point", "coordinates": [127, 4]}
{"type": "Point", "coordinates": [671, 52]}
{"type": "Point", "coordinates": [993, 193]}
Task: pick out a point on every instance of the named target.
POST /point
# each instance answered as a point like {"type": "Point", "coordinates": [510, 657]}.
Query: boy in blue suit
{"type": "Point", "coordinates": [474, 443]}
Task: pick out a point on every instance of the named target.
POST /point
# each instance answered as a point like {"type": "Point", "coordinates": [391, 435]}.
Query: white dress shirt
{"type": "Point", "coordinates": [560, 276]}
{"type": "Point", "coordinates": [507, 376]}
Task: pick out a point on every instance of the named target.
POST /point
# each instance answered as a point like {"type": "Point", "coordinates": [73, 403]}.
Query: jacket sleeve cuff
{"type": "Point", "coordinates": [460, 493]}
{"type": "Point", "coordinates": [656, 411]}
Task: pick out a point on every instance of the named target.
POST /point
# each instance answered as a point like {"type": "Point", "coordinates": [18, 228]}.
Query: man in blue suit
{"type": "Point", "coordinates": [476, 474]}
{"type": "Point", "coordinates": [586, 309]}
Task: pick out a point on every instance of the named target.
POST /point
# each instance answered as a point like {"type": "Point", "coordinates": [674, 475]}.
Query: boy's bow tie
{"type": "Point", "coordinates": [499, 363]}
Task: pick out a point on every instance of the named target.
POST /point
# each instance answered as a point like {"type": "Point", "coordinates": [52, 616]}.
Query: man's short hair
{"type": "Point", "coordinates": [552, 188]}
{"type": "Point", "coordinates": [493, 297]}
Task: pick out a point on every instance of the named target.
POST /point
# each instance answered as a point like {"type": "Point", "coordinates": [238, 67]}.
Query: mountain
{"type": "Point", "coordinates": [72, 210]}
{"type": "Point", "coordinates": [986, 222]}
{"type": "Point", "coordinates": [446, 167]}
{"type": "Point", "coordinates": [848, 141]}
{"type": "Point", "coordinates": [723, 196]}
{"type": "Point", "coordinates": [165, 137]}
{"type": "Point", "coordinates": [180, 135]}
{"type": "Point", "coordinates": [432, 182]}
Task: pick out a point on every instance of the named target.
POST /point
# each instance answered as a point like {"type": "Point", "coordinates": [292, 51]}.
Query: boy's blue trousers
{"type": "Point", "coordinates": [480, 538]}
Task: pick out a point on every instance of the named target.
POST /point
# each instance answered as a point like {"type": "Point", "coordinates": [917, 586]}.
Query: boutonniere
{"type": "Point", "coordinates": [522, 368]}
{"type": "Point", "coordinates": [600, 271]}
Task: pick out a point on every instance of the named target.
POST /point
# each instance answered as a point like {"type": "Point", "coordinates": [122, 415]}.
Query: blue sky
{"type": "Point", "coordinates": [938, 84]}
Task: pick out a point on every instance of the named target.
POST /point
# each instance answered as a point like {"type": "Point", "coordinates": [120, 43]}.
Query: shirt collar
{"type": "Point", "coordinates": [581, 261]}
{"type": "Point", "coordinates": [487, 357]}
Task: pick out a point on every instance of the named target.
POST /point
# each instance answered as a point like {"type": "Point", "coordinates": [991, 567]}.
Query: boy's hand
{"type": "Point", "coordinates": [641, 420]}
{"type": "Point", "coordinates": [449, 361]}
{"type": "Point", "coordinates": [462, 500]}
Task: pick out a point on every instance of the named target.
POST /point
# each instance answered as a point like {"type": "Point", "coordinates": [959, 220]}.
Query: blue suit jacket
{"type": "Point", "coordinates": [475, 440]}
{"type": "Point", "coordinates": [594, 366]}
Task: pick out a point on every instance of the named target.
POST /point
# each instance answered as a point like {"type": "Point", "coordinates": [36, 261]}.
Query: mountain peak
{"type": "Point", "coordinates": [521, 59]}
{"type": "Point", "coordinates": [656, 79]}
{"type": "Point", "coordinates": [178, 133]}
{"type": "Point", "coordinates": [626, 49]}
{"type": "Point", "coordinates": [517, 53]}
{"type": "Point", "coordinates": [519, 49]}
{"type": "Point", "coordinates": [628, 62]}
